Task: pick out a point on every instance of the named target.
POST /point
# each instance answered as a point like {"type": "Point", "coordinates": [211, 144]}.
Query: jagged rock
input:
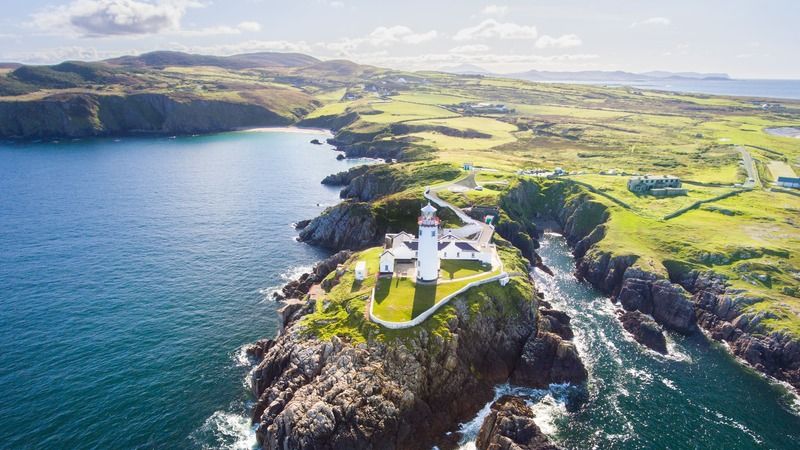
{"type": "Point", "coordinates": [299, 288]}
{"type": "Point", "coordinates": [333, 394]}
{"type": "Point", "coordinates": [316, 142]}
{"type": "Point", "coordinates": [300, 224]}
{"type": "Point", "coordinates": [348, 225]}
{"type": "Point", "coordinates": [644, 330]}
{"type": "Point", "coordinates": [546, 359]}
{"type": "Point", "coordinates": [510, 426]}
{"type": "Point", "coordinates": [555, 322]}
{"type": "Point", "coordinates": [344, 178]}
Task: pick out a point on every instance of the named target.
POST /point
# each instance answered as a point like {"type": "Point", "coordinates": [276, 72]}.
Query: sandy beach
{"type": "Point", "coordinates": [289, 130]}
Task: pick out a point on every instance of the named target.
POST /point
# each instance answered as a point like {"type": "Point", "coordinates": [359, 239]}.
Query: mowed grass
{"type": "Point", "coordinates": [451, 268]}
{"type": "Point", "coordinates": [400, 299]}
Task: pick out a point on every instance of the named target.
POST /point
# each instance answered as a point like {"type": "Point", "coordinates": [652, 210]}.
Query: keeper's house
{"type": "Point", "coordinates": [661, 186]}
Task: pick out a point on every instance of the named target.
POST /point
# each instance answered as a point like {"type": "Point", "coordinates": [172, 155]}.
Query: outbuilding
{"type": "Point", "coordinates": [361, 270]}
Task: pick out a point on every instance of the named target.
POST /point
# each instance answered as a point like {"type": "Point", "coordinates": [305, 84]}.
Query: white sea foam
{"type": "Point", "coordinates": [226, 430]}
{"type": "Point", "coordinates": [547, 404]}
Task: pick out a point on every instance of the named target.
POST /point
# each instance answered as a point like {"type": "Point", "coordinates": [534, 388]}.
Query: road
{"type": "Point", "coordinates": [471, 226]}
{"type": "Point", "coordinates": [750, 167]}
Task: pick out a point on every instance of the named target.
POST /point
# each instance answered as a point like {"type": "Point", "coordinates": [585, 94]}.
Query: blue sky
{"type": "Point", "coordinates": [747, 39]}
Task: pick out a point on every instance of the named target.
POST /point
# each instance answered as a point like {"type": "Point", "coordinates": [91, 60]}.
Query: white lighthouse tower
{"type": "Point", "coordinates": [428, 245]}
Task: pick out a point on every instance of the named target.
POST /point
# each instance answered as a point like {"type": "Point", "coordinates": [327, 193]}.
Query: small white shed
{"type": "Point", "coordinates": [387, 262]}
{"type": "Point", "coordinates": [361, 270]}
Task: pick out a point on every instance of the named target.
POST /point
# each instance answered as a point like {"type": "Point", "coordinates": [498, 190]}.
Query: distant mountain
{"type": "Point", "coordinates": [611, 76]}
{"type": "Point", "coordinates": [242, 61]}
{"type": "Point", "coordinates": [691, 75]}
{"type": "Point", "coordinates": [466, 69]}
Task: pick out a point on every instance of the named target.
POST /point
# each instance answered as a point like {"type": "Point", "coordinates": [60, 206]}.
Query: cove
{"type": "Point", "coordinates": [696, 397]}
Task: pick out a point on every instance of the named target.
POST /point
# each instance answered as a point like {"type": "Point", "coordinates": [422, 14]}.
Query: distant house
{"type": "Point", "coordinates": [647, 183]}
{"type": "Point", "coordinates": [485, 108]}
{"type": "Point", "coordinates": [468, 166]}
{"type": "Point", "coordinates": [789, 182]}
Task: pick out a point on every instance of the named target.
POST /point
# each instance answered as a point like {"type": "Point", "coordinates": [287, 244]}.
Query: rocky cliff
{"type": "Point", "coordinates": [396, 390]}
{"type": "Point", "coordinates": [83, 115]}
{"type": "Point", "coordinates": [682, 303]}
{"type": "Point", "coordinates": [510, 426]}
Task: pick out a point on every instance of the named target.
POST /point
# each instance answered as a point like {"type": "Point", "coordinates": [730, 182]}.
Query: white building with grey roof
{"type": "Point", "coordinates": [404, 251]}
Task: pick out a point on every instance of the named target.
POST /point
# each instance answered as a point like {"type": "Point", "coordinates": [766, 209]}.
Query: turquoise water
{"type": "Point", "coordinates": [696, 398]}
{"type": "Point", "coordinates": [132, 272]}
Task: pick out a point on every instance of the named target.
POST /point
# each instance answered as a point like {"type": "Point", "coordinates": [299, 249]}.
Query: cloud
{"type": "Point", "coordinates": [474, 48]}
{"type": "Point", "coordinates": [652, 21]}
{"type": "Point", "coordinates": [379, 37]}
{"type": "Point", "coordinates": [495, 10]}
{"type": "Point", "coordinates": [565, 41]}
{"type": "Point", "coordinates": [399, 33]}
{"type": "Point", "coordinates": [520, 61]}
{"type": "Point", "coordinates": [114, 17]}
{"type": "Point", "coordinates": [249, 26]}
{"type": "Point", "coordinates": [249, 46]}
{"type": "Point", "coordinates": [491, 28]}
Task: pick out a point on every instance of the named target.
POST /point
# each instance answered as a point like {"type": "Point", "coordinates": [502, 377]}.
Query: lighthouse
{"type": "Point", "coordinates": [428, 245]}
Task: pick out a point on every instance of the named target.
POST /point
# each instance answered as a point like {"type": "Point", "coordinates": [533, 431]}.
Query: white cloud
{"type": "Point", "coordinates": [336, 4]}
{"type": "Point", "coordinates": [565, 41]}
{"type": "Point", "coordinates": [398, 33]}
{"type": "Point", "coordinates": [491, 28]}
{"type": "Point", "coordinates": [114, 17]}
{"type": "Point", "coordinates": [499, 61]}
{"type": "Point", "coordinates": [473, 48]}
{"type": "Point", "coordinates": [379, 37]}
{"type": "Point", "coordinates": [657, 21]}
{"type": "Point", "coordinates": [249, 26]}
{"type": "Point", "coordinates": [495, 10]}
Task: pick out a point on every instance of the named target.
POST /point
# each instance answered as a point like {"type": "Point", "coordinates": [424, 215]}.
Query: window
{"type": "Point", "coordinates": [458, 254]}
{"type": "Point", "coordinates": [433, 233]}
{"type": "Point", "coordinates": [386, 268]}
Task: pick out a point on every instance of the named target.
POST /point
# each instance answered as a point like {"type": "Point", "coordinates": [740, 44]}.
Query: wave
{"type": "Point", "coordinates": [226, 430]}
{"type": "Point", "coordinates": [548, 406]}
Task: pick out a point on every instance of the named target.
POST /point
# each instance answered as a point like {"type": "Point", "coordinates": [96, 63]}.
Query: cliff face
{"type": "Point", "coordinates": [83, 115]}
{"type": "Point", "coordinates": [698, 298]}
{"type": "Point", "coordinates": [403, 393]}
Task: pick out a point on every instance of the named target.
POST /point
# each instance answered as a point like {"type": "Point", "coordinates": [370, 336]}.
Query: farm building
{"type": "Point", "coordinates": [790, 182]}
{"type": "Point", "coordinates": [646, 183]}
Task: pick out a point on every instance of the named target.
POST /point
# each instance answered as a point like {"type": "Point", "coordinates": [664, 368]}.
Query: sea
{"type": "Point", "coordinates": [762, 89]}
{"type": "Point", "coordinates": [134, 271]}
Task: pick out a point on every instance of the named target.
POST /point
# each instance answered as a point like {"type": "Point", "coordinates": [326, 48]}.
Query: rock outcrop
{"type": "Point", "coordinates": [299, 288]}
{"type": "Point", "coordinates": [720, 310]}
{"type": "Point", "coordinates": [548, 356]}
{"type": "Point", "coordinates": [348, 225]}
{"type": "Point", "coordinates": [510, 426]}
{"type": "Point", "coordinates": [330, 393]}
{"type": "Point", "coordinates": [644, 330]}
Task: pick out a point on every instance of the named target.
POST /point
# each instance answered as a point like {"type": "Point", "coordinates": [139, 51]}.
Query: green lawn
{"type": "Point", "coordinates": [452, 268]}
{"type": "Point", "coordinates": [400, 299]}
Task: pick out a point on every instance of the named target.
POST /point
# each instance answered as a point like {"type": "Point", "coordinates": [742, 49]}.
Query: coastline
{"type": "Point", "coordinates": [289, 129]}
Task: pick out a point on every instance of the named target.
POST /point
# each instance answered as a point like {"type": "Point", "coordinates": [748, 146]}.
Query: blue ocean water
{"type": "Point", "coordinates": [132, 272]}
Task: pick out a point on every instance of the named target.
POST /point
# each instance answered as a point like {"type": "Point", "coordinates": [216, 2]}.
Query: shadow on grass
{"type": "Point", "coordinates": [424, 298]}
{"type": "Point", "coordinates": [356, 286]}
{"type": "Point", "coordinates": [382, 288]}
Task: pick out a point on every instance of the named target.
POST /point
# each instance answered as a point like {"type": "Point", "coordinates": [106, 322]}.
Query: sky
{"type": "Point", "coordinates": [743, 38]}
